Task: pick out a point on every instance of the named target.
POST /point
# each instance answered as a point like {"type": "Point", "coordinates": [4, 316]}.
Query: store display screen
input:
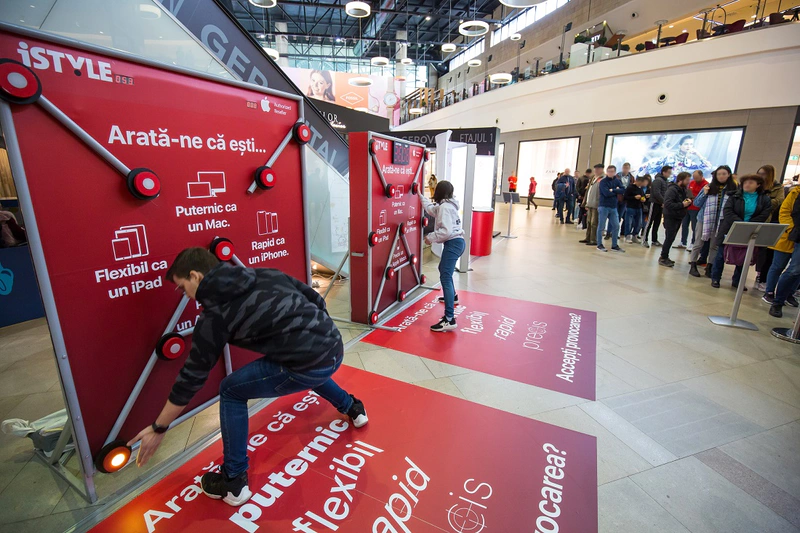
{"type": "Point", "coordinates": [684, 151]}
{"type": "Point", "coordinates": [400, 153]}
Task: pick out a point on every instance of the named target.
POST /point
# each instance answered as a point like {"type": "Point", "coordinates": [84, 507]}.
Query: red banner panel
{"type": "Point", "coordinates": [426, 462]}
{"type": "Point", "coordinates": [126, 165]}
{"type": "Point", "coordinates": [544, 345]}
{"type": "Point", "coordinates": [386, 220]}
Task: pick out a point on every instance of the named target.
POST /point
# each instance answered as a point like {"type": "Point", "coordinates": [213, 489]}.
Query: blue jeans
{"type": "Point", "coordinates": [790, 279]}
{"type": "Point", "coordinates": [452, 251]}
{"type": "Point", "coordinates": [779, 262]}
{"type": "Point", "coordinates": [570, 207]}
{"type": "Point", "coordinates": [689, 220]}
{"type": "Point", "coordinates": [610, 215]}
{"type": "Point", "coordinates": [264, 379]}
{"type": "Point", "coordinates": [561, 203]}
{"type": "Point", "coordinates": [633, 221]}
{"type": "Point", "coordinates": [719, 266]}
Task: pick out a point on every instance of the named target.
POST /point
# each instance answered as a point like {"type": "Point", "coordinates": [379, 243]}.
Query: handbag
{"type": "Point", "coordinates": [735, 255]}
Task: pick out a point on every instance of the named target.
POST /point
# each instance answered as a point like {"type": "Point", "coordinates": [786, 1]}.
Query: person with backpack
{"type": "Point", "coordinates": [448, 232]}
{"type": "Point", "coordinates": [265, 311]}
{"type": "Point", "coordinates": [676, 203]}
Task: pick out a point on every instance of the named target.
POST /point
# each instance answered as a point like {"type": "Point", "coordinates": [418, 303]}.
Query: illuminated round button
{"type": "Point", "coordinates": [403, 228]}
{"type": "Point", "coordinates": [373, 238]}
{"type": "Point", "coordinates": [265, 178]}
{"type": "Point", "coordinates": [373, 318]}
{"type": "Point", "coordinates": [423, 279]}
{"type": "Point", "coordinates": [401, 296]}
{"type": "Point", "coordinates": [390, 272]}
{"type": "Point", "coordinates": [389, 191]}
{"type": "Point", "coordinates": [112, 457]}
{"type": "Point", "coordinates": [18, 83]}
{"type": "Point", "coordinates": [170, 346]}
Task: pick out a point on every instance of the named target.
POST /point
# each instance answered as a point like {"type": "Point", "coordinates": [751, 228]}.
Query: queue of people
{"type": "Point", "coordinates": [696, 213]}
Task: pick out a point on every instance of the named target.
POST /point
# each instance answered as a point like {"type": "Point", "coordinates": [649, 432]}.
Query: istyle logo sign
{"type": "Point", "coordinates": [6, 281]}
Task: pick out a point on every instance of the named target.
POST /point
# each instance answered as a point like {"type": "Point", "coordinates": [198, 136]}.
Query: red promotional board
{"type": "Point", "coordinates": [426, 462]}
{"type": "Point", "coordinates": [386, 220]}
{"type": "Point", "coordinates": [544, 345]}
{"type": "Point", "coordinates": [121, 165]}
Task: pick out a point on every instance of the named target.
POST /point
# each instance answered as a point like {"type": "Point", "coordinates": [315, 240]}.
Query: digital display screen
{"type": "Point", "coordinates": [684, 151]}
{"type": "Point", "coordinates": [401, 153]}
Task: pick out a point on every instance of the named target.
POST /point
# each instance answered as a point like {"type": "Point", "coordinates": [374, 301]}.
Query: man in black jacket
{"type": "Point", "coordinates": [676, 201]}
{"type": "Point", "coordinates": [265, 311]}
{"type": "Point", "coordinates": [659, 189]}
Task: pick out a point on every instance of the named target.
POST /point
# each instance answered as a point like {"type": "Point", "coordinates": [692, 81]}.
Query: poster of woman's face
{"type": "Point", "coordinates": [320, 85]}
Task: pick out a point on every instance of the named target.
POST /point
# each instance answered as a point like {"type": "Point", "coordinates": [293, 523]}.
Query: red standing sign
{"type": "Point", "coordinates": [386, 221]}
{"type": "Point", "coordinates": [120, 165]}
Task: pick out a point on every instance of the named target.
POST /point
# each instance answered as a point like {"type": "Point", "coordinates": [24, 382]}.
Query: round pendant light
{"type": "Point", "coordinates": [474, 63]}
{"type": "Point", "coordinates": [271, 52]}
{"type": "Point", "coordinates": [360, 81]}
{"type": "Point", "coordinates": [407, 61]}
{"type": "Point", "coordinates": [473, 28]}
{"type": "Point", "coordinates": [500, 78]}
{"type": "Point", "coordinates": [448, 48]}
{"type": "Point", "coordinates": [515, 37]}
{"type": "Point", "coordinates": [358, 10]}
{"type": "Point", "coordinates": [416, 111]}
{"type": "Point", "coordinates": [264, 4]}
{"type": "Point", "coordinates": [400, 77]}
{"type": "Point", "coordinates": [379, 61]}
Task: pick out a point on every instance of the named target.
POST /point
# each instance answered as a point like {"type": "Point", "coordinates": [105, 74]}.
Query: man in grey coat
{"type": "Point", "coordinates": [265, 311]}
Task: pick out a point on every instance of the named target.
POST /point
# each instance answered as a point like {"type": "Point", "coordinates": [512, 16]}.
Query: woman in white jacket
{"type": "Point", "coordinates": [447, 231]}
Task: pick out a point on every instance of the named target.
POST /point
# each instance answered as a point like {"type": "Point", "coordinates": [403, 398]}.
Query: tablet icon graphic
{"type": "Point", "coordinates": [130, 242]}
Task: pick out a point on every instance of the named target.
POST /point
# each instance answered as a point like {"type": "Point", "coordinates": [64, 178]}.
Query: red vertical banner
{"type": "Point", "coordinates": [386, 220]}
{"type": "Point", "coordinates": [121, 166]}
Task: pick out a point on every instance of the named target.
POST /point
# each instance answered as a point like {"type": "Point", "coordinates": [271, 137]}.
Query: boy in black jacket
{"type": "Point", "coordinates": [676, 202]}
{"type": "Point", "coordinates": [265, 311]}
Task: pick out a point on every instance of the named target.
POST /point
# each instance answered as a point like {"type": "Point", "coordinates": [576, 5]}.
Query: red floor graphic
{"type": "Point", "coordinates": [426, 462]}
{"type": "Point", "coordinates": [543, 345]}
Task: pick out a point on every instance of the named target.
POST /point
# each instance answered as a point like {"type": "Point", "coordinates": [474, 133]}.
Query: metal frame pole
{"type": "Point", "coordinates": [510, 210]}
{"type": "Point", "coordinates": [789, 334]}
{"type": "Point", "coordinates": [733, 320]}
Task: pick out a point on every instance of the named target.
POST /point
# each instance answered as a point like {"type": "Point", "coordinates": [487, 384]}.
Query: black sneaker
{"type": "Point", "coordinates": [664, 262]}
{"type": "Point", "coordinates": [776, 311]}
{"type": "Point", "coordinates": [601, 248]}
{"type": "Point", "coordinates": [656, 243]}
{"type": "Point", "coordinates": [715, 283]}
{"type": "Point", "coordinates": [234, 491]}
{"type": "Point", "coordinates": [791, 301]}
{"type": "Point", "coordinates": [607, 237]}
{"type": "Point", "coordinates": [357, 413]}
{"type": "Point", "coordinates": [455, 300]}
{"type": "Point", "coordinates": [617, 249]}
{"type": "Point", "coordinates": [444, 325]}
{"type": "Point", "coordinates": [768, 298]}
{"type": "Point", "coordinates": [583, 241]}
{"type": "Point", "coordinates": [569, 222]}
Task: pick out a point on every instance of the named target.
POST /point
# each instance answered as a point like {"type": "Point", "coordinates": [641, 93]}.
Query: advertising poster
{"type": "Point", "coordinates": [334, 87]}
{"type": "Point", "coordinates": [199, 143]}
{"type": "Point", "coordinates": [684, 151]}
{"type": "Point", "coordinates": [430, 463]}
{"type": "Point", "coordinates": [543, 160]}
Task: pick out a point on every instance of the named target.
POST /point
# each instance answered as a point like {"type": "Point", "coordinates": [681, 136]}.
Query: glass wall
{"type": "Point", "coordinates": [543, 160]}
{"type": "Point", "coordinates": [525, 19]}
{"type": "Point", "coordinates": [793, 165]}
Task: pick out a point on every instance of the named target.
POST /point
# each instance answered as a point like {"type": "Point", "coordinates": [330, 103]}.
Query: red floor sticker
{"type": "Point", "coordinates": [543, 345]}
{"type": "Point", "coordinates": [426, 462]}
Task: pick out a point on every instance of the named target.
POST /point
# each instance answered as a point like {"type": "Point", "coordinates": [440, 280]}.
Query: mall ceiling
{"type": "Point", "coordinates": [428, 23]}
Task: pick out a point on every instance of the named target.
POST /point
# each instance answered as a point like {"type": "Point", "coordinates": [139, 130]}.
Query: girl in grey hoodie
{"type": "Point", "coordinates": [448, 232]}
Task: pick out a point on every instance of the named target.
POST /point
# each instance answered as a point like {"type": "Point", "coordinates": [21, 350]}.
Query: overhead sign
{"type": "Point", "coordinates": [544, 345]}
{"type": "Point", "coordinates": [386, 221]}
{"type": "Point", "coordinates": [485, 139]}
{"type": "Point", "coordinates": [163, 160]}
{"type": "Point", "coordinates": [347, 120]}
{"type": "Point", "coordinates": [218, 30]}
{"type": "Point", "coordinates": [438, 464]}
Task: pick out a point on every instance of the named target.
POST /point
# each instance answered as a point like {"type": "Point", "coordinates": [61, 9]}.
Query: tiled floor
{"type": "Point", "coordinates": [697, 425]}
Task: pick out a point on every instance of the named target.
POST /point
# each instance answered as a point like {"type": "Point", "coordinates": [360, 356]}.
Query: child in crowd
{"type": "Point", "coordinates": [448, 232]}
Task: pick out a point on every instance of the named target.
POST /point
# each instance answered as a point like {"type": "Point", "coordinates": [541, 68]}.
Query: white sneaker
{"type": "Point", "coordinates": [629, 239]}
{"type": "Point", "coordinates": [761, 287]}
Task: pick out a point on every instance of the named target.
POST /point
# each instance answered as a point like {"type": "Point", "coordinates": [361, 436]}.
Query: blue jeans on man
{"type": "Point", "coordinates": [453, 249]}
{"type": "Point", "coordinates": [608, 215]}
{"type": "Point", "coordinates": [789, 281]}
{"type": "Point", "coordinates": [633, 221]}
{"type": "Point", "coordinates": [264, 379]}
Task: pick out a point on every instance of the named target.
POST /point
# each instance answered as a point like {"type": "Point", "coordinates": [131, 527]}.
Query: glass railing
{"type": "Point", "coordinates": [426, 101]}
